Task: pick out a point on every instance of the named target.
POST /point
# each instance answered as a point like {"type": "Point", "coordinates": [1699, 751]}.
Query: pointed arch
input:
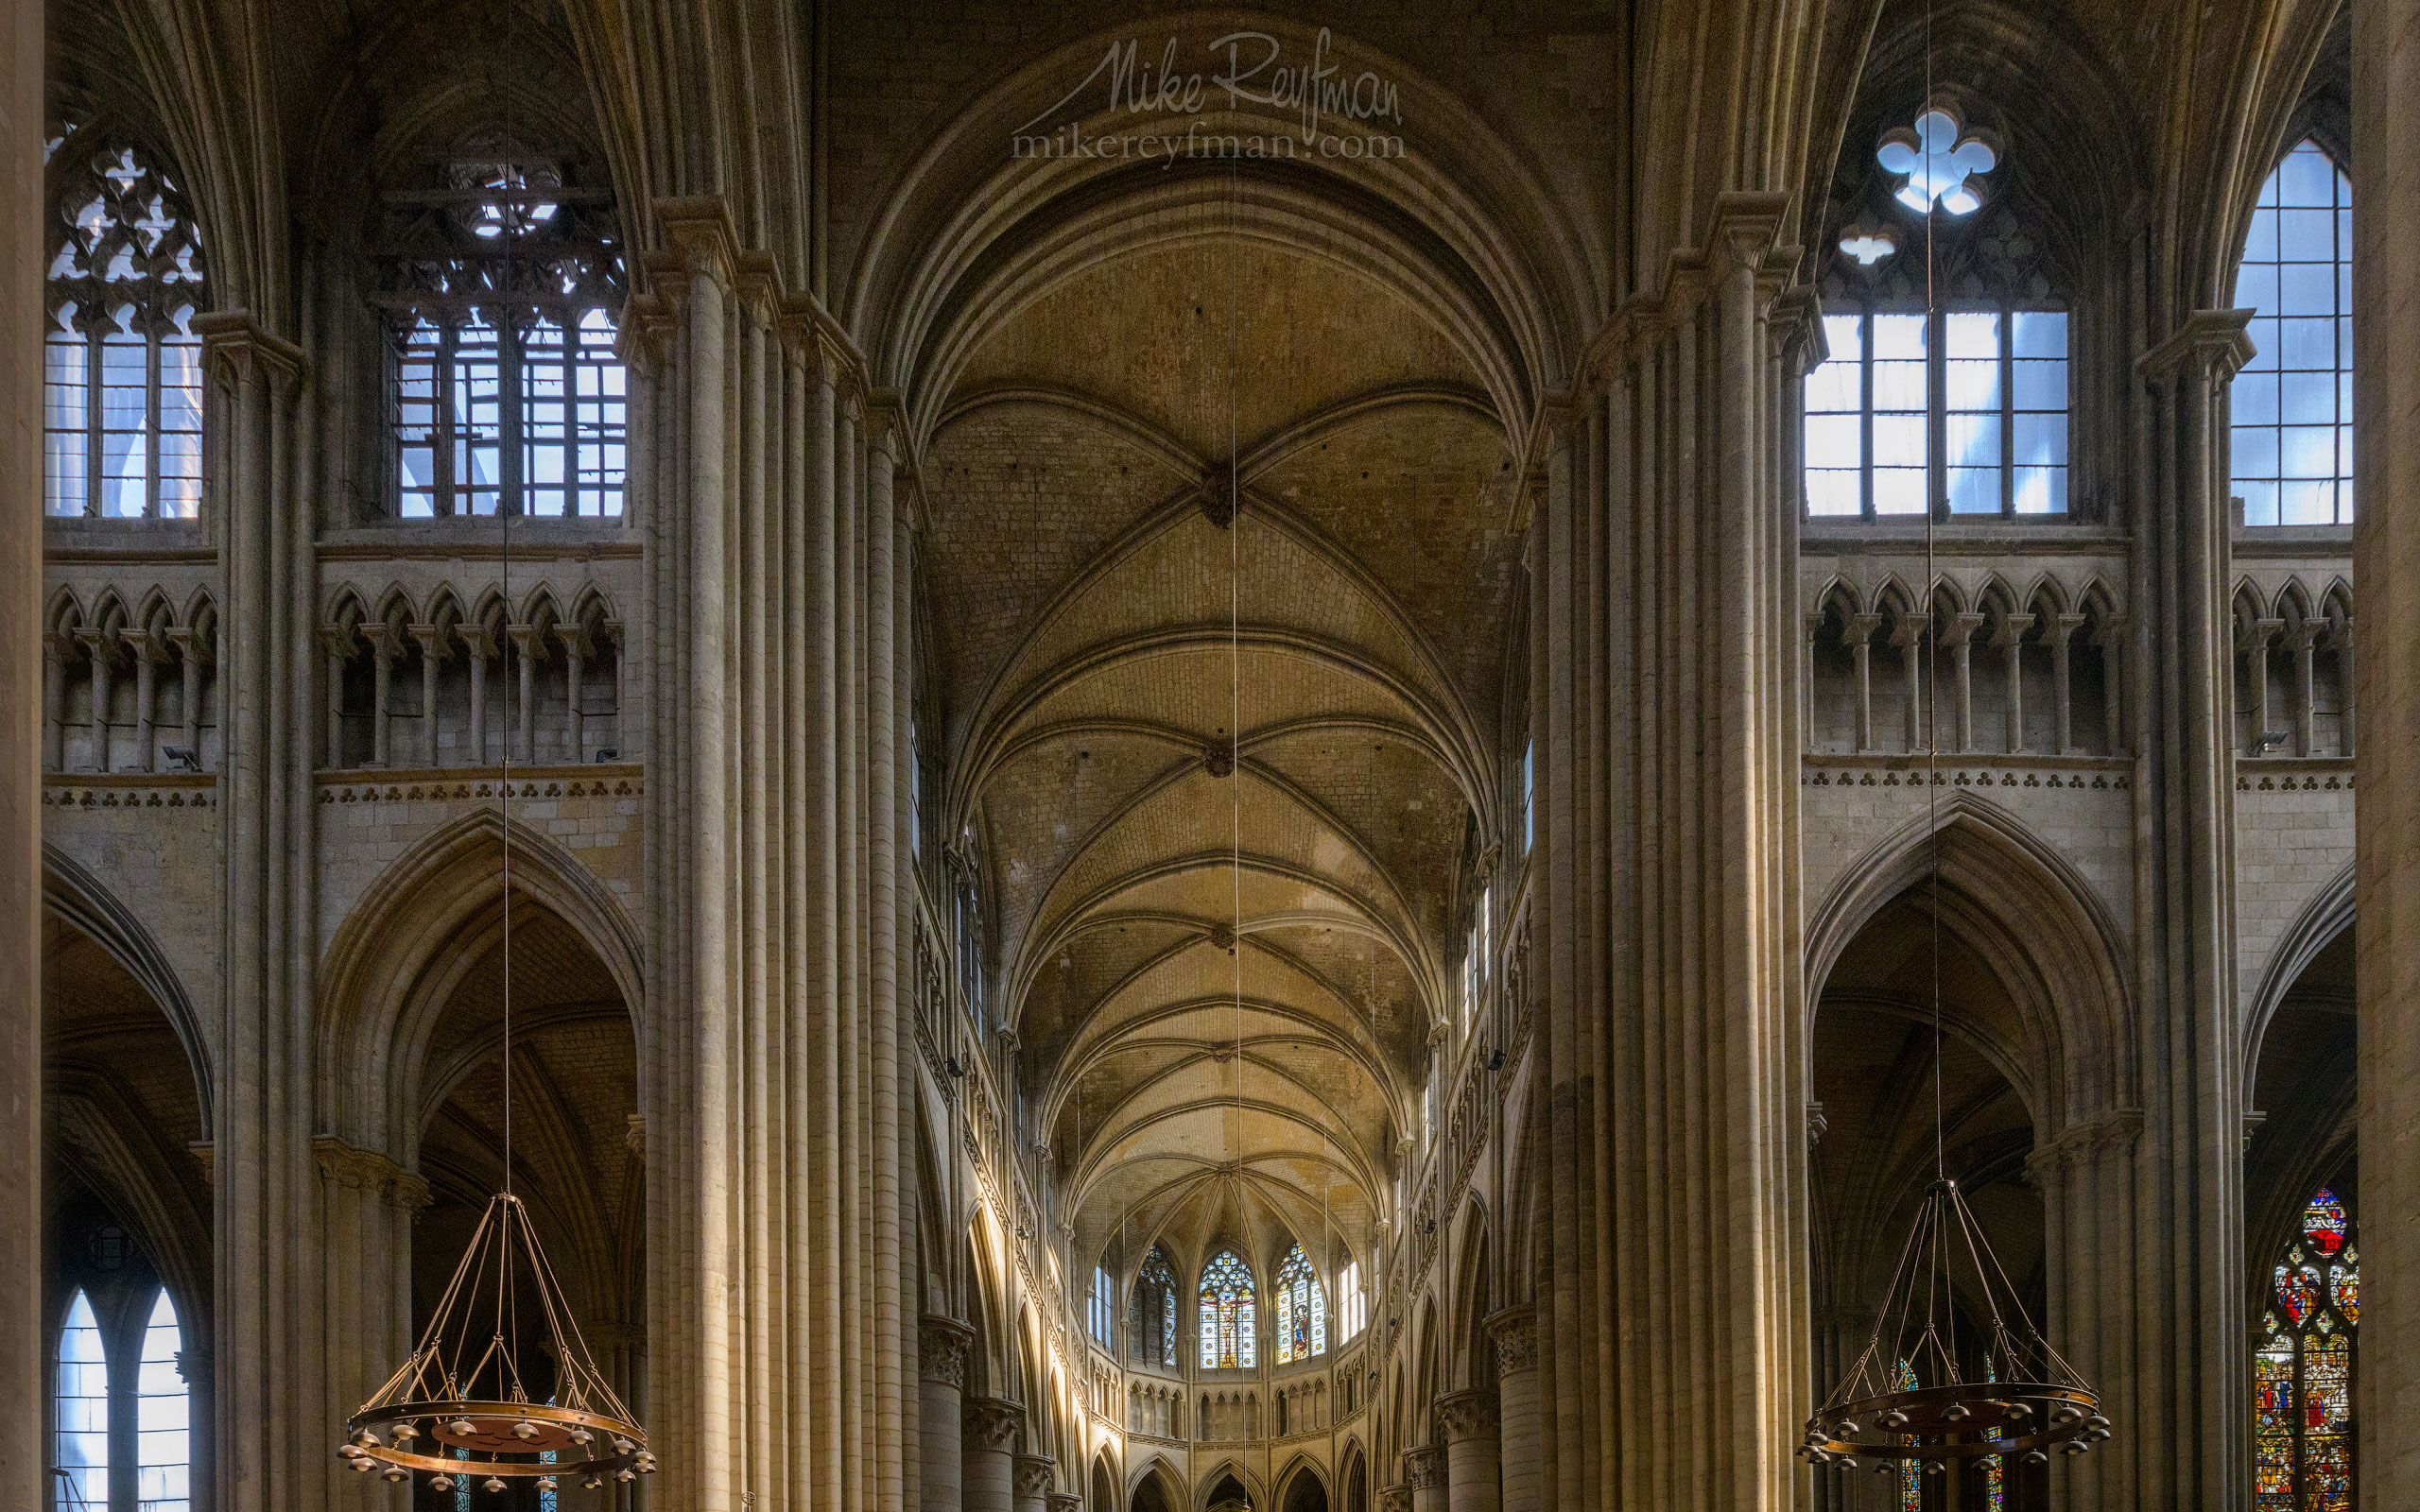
{"type": "Point", "coordinates": [75, 894]}
{"type": "Point", "coordinates": [380, 991]}
{"type": "Point", "coordinates": [2328, 915]}
{"type": "Point", "coordinates": [2036, 921]}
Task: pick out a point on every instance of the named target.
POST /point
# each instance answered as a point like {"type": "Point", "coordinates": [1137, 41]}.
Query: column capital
{"type": "Point", "coordinates": [575, 639]}
{"type": "Point", "coordinates": [1516, 1331]}
{"type": "Point", "coordinates": [1961, 629]}
{"type": "Point", "coordinates": [381, 638]}
{"type": "Point", "coordinates": [1467, 1415]}
{"type": "Point", "coordinates": [235, 346]}
{"type": "Point", "coordinates": [1394, 1498]}
{"type": "Point", "coordinates": [991, 1422]}
{"type": "Point", "coordinates": [349, 1165]}
{"type": "Point", "coordinates": [1424, 1469]}
{"type": "Point", "coordinates": [99, 645]}
{"type": "Point", "coordinates": [941, 1349]}
{"type": "Point", "coordinates": [1066, 1501]}
{"type": "Point", "coordinates": [2255, 635]}
{"type": "Point", "coordinates": [2064, 626]}
{"type": "Point", "coordinates": [2012, 631]}
{"type": "Point", "coordinates": [2210, 342]}
{"type": "Point", "coordinates": [476, 639]}
{"type": "Point", "coordinates": [432, 641]}
{"type": "Point", "coordinates": [1034, 1474]}
{"type": "Point", "coordinates": [2086, 1141]}
{"type": "Point", "coordinates": [698, 230]}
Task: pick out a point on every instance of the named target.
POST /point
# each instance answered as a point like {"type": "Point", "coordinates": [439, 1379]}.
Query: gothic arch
{"type": "Point", "coordinates": [72, 893]}
{"type": "Point", "coordinates": [380, 990]}
{"type": "Point", "coordinates": [2038, 924]}
{"type": "Point", "coordinates": [1206, 1485]}
{"type": "Point", "coordinates": [1296, 1470]}
{"type": "Point", "coordinates": [2328, 915]}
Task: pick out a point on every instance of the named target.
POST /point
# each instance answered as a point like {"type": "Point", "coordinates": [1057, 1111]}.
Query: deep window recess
{"type": "Point", "coordinates": [501, 291]}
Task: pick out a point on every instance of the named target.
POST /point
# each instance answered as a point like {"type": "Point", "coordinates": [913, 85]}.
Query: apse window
{"type": "Point", "coordinates": [507, 390]}
{"type": "Point", "coordinates": [121, 361]}
{"type": "Point", "coordinates": [1230, 1317]}
{"type": "Point", "coordinates": [1301, 1309]}
{"type": "Point", "coordinates": [2292, 402]}
{"type": "Point", "coordinates": [1962, 412]}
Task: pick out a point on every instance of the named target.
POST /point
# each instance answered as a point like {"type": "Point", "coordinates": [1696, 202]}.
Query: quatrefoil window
{"type": "Point", "coordinates": [1936, 160]}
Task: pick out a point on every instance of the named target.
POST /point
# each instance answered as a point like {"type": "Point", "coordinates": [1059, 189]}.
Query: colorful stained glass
{"type": "Point", "coordinates": [1912, 1478]}
{"type": "Point", "coordinates": [2302, 1397]}
{"type": "Point", "coordinates": [2323, 1224]}
{"type": "Point", "coordinates": [1230, 1317]}
{"type": "Point", "coordinates": [2297, 1290]}
{"type": "Point", "coordinates": [2345, 1288]}
{"type": "Point", "coordinates": [1301, 1309]}
{"type": "Point", "coordinates": [1994, 1484]}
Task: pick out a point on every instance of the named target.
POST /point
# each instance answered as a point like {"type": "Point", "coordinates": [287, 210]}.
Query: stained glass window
{"type": "Point", "coordinates": [1101, 1305]}
{"type": "Point", "coordinates": [122, 364]}
{"type": "Point", "coordinates": [1230, 1317]}
{"type": "Point", "coordinates": [1910, 1476]}
{"type": "Point", "coordinates": [2292, 402]}
{"type": "Point", "coordinates": [1151, 1331]}
{"type": "Point", "coordinates": [161, 1415]}
{"type": "Point", "coordinates": [2302, 1387]}
{"type": "Point", "coordinates": [1301, 1309]}
{"type": "Point", "coordinates": [80, 1453]}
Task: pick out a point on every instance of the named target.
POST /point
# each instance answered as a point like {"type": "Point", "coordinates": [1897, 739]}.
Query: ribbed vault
{"type": "Point", "coordinates": [1219, 570]}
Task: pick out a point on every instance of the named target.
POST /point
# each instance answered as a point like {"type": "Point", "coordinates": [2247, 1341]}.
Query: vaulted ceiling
{"type": "Point", "coordinates": [1218, 732]}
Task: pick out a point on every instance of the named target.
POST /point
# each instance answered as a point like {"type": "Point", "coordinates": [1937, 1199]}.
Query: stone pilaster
{"type": "Point", "coordinates": [991, 1426]}
{"type": "Point", "coordinates": [941, 1344]}
{"type": "Point", "coordinates": [1515, 1333]}
{"type": "Point", "coordinates": [1469, 1419]}
{"type": "Point", "coordinates": [2086, 1178]}
{"type": "Point", "coordinates": [2386, 567]}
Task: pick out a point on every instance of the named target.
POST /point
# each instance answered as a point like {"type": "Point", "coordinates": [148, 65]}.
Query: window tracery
{"type": "Point", "coordinates": [1230, 1315]}
{"type": "Point", "coordinates": [1152, 1311]}
{"type": "Point", "coordinates": [2292, 407]}
{"type": "Point", "coordinates": [122, 364]}
{"type": "Point", "coordinates": [502, 291]}
{"type": "Point", "coordinates": [1301, 1309]}
{"type": "Point", "coordinates": [2301, 1395]}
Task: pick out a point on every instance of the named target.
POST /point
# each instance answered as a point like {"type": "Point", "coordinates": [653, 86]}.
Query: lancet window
{"type": "Point", "coordinates": [117, 1430]}
{"type": "Point", "coordinates": [2291, 405]}
{"type": "Point", "coordinates": [1151, 1323]}
{"type": "Point", "coordinates": [2302, 1391]}
{"type": "Point", "coordinates": [122, 363]}
{"type": "Point", "coordinates": [502, 289]}
{"type": "Point", "coordinates": [1101, 1306]}
{"type": "Point", "coordinates": [1301, 1309]}
{"type": "Point", "coordinates": [1230, 1315]}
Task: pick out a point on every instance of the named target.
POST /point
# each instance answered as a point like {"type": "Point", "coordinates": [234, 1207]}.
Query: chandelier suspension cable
{"type": "Point", "coordinates": [1234, 647]}
{"type": "Point", "coordinates": [1932, 661]}
{"type": "Point", "coordinates": [505, 508]}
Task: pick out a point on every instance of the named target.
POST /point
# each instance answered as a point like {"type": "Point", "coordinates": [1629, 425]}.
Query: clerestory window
{"type": "Point", "coordinates": [122, 364]}
{"type": "Point", "coordinates": [502, 290]}
{"type": "Point", "coordinates": [2292, 403]}
{"type": "Point", "coordinates": [1962, 412]}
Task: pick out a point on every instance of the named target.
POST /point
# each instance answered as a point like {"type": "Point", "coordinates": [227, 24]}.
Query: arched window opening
{"type": "Point", "coordinates": [1301, 1309]}
{"type": "Point", "coordinates": [1962, 412]}
{"type": "Point", "coordinates": [163, 1415]}
{"type": "Point", "coordinates": [122, 364]}
{"type": "Point", "coordinates": [1352, 1303]}
{"type": "Point", "coordinates": [501, 290]}
{"type": "Point", "coordinates": [2292, 403]}
{"type": "Point", "coordinates": [1150, 1327]}
{"type": "Point", "coordinates": [1230, 1315]}
{"type": "Point", "coordinates": [79, 1453]}
{"type": "Point", "coordinates": [1101, 1307]}
{"type": "Point", "coordinates": [2301, 1395]}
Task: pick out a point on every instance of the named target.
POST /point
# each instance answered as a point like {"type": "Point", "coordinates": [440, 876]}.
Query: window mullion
{"type": "Point", "coordinates": [2005, 329]}
{"type": "Point", "coordinates": [151, 423]}
{"type": "Point", "coordinates": [94, 450]}
{"type": "Point", "coordinates": [1936, 417]}
{"type": "Point", "coordinates": [509, 437]}
{"type": "Point", "coordinates": [448, 430]}
{"type": "Point", "coordinates": [1865, 410]}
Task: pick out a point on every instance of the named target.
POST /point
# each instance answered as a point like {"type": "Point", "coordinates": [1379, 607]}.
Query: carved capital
{"type": "Point", "coordinates": [1861, 627]}
{"type": "Point", "coordinates": [991, 1422]}
{"type": "Point", "coordinates": [2064, 627]}
{"type": "Point", "coordinates": [432, 641]}
{"type": "Point", "coordinates": [236, 349]}
{"type": "Point", "coordinates": [1066, 1502]}
{"type": "Point", "coordinates": [1394, 1498]}
{"type": "Point", "coordinates": [477, 640]}
{"type": "Point", "coordinates": [941, 1344]}
{"type": "Point", "coordinates": [1516, 1331]}
{"type": "Point", "coordinates": [1424, 1469]}
{"type": "Point", "coordinates": [699, 230]}
{"type": "Point", "coordinates": [1033, 1476]}
{"type": "Point", "coordinates": [1467, 1415]}
{"type": "Point", "coordinates": [2210, 343]}
{"type": "Point", "coordinates": [351, 1167]}
{"type": "Point", "coordinates": [576, 641]}
{"type": "Point", "coordinates": [2085, 1142]}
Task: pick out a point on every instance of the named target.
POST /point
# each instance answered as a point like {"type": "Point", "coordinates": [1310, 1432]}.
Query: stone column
{"type": "Point", "coordinates": [1033, 1475]}
{"type": "Point", "coordinates": [366, 1203]}
{"type": "Point", "coordinates": [478, 646]}
{"type": "Point", "coordinates": [432, 655]}
{"type": "Point", "coordinates": [2009, 639]}
{"type": "Point", "coordinates": [25, 652]}
{"type": "Point", "coordinates": [2386, 564]}
{"type": "Point", "coordinates": [54, 700]}
{"type": "Point", "coordinates": [382, 657]}
{"type": "Point", "coordinates": [991, 1427]}
{"type": "Point", "coordinates": [941, 1355]}
{"type": "Point", "coordinates": [2063, 633]}
{"type": "Point", "coordinates": [1514, 1330]}
{"type": "Point", "coordinates": [336, 642]}
{"type": "Point", "coordinates": [1470, 1456]}
{"type": "Point", "coordinates": [146, 649]}
{"type": "Point", "coordinates": [98, 657]}
{"type": "Point", "coordinates": [1860, 633]}
{"type": "Point", "coordinates": [1961, 641]}
{"type": "Point", "coordinates": [2306, 638]}
{"type": "Point", "coordinates": [2252, 643]}
{"type": "Point", "coordinates": [1425, 1475]}
{"type": "Point", "coordinates": [525, 650]}
{"type": "Point", "coordinates": [575, 653]}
